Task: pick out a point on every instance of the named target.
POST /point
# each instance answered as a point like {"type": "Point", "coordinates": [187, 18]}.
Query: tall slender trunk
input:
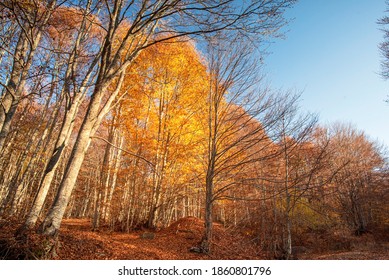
{"type": "Point", "coordinates": [63, 138]}
{"type": "Point", "coordinates": [107, 211]}
{"type": "Point", "coordinates": [90, 124]}
{"type": "Point", "coordinates": [33, 147]}
{"type": "Point", "coordinates": [288, 238]}
{"type": "Point", "coordinates": [206, 243]}
{"type": "Point", "coordinates": [53, 163]}
{"type": "Point", "coordinates": [27, 44]}
{"type": "Point", "coordinates": [213, 133]}
{"type": "Point", "coordinates": [15, 86]}
{"type": "Point", "coordinates": [52, 222]}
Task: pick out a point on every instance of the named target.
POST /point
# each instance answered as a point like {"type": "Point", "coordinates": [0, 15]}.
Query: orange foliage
{"type": "Point", "coordinates": [65, 23]}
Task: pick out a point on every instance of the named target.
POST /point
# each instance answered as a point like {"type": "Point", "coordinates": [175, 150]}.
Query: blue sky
{"type": "Point", "coordinates": [331, 54]}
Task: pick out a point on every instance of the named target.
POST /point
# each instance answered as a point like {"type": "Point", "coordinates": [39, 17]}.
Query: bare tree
{"type": "Point", "coordinates": [384, 46]}
{"type": "Point", "coordinates": [242, 118]}
{"type": "Point", "coordinates": [294, 131]}
{"type": "Point", "coordinates": [358, 160]}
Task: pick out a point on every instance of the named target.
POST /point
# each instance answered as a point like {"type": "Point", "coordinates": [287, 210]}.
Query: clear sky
{"type": "Point", "coordinates": [331, 54]}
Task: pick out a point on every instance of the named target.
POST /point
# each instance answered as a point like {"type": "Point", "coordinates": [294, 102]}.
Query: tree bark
{"type": "Point", "coordinates": [52, 222]}
{"type": "Point", "coordinates": [92, 120]}
{"type": "Point", "coordinates": [63, 137]}
{"type": "Point", "coordinates": [28, 41]}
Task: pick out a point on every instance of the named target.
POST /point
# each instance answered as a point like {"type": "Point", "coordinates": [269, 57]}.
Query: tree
{"type": "Point", "coordinates": [31, 17]}
{"type": "Point", "coordinates": [158, 123]}
{"type": "Point", "coordinates": [384, 46]}
{"type": "Point", "coordinates": [359, 161]}
{"type": "Point", "coordinates": [242, 118]}
{"type": "Point", "coordinates": [81, 25]}
{"type": "Point", "coordinates": [295, 171]}
{"type": "Point", "coordinates": [145, 22]}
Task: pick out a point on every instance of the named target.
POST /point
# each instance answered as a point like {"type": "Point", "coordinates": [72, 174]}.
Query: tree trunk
{"type": "Point", "coordinates": [90, 124]}
{"type": "Point", "coordinates": [107, 211]}
{"type": "Point", "coordinates": [14, 87]}
{"type": "Point", "coordinates": [52, 222]}
{"type": "Point", "coordinates": [53, 163]}
{"type": "Point", "coordinates": [27, 44]}
{"type": "Point", "coordinates": [206, 243]}
{"type": "Point", "coordinates": [65, 131]}
{"type": "Point", "coordinates": [288, 239]}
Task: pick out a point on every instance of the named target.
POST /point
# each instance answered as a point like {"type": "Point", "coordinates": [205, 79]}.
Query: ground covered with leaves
{"type": "Point", "coordinates": [77, 241]}
{"type": "Point", "coordinates": [176, 242]}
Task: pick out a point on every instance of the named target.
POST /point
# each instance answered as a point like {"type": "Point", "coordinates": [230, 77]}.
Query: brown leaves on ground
{"type": "Point", "coordinates": [77, 241]}
{"type": "Point", "coordinates": [343, 244]}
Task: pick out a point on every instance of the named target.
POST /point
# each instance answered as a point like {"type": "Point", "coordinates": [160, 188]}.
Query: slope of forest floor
{"type": "Point", "coordinates": [173, 242]}
{"type": "Point", "coordinates": [78, 241]}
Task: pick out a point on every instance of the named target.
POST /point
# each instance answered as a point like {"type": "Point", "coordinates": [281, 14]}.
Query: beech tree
{"type": "Point", "coordinates": [81, 26]}
{"type": "Point", "coordinates": [31, 18]}
{"type": "Point", "coordinates": [242, 117]}
{"type": "Point", "coordinates": [134, 114]}
{"type": "Point", "coordinates": [24, 24]}
{"type": "Point", "coordinates": [360, 160]}
{"type": "Point", "coordinates": [384, 46]}
{"type": "Point", "coordinates": [160, 126]}
{"type": "Point", "coordinates": [145, 22]}
{"type": "Point", "coordinates": [294, 179]}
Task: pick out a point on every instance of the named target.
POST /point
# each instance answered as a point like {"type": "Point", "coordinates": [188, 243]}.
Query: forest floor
{"type": "Point", "coordinates": [171, 243]}
{"type": "Point", "coordinates": [78, 241]}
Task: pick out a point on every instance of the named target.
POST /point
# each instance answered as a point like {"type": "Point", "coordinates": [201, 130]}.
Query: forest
{"type": "Point", "coordinates": [152, 122]}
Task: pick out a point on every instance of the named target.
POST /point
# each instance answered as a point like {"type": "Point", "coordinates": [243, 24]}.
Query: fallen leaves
{"type": "Point", "coordinates": [77, 241]}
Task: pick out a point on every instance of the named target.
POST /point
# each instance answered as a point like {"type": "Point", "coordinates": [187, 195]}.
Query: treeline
{"type": "Point", "coordinates": [138, 113]}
